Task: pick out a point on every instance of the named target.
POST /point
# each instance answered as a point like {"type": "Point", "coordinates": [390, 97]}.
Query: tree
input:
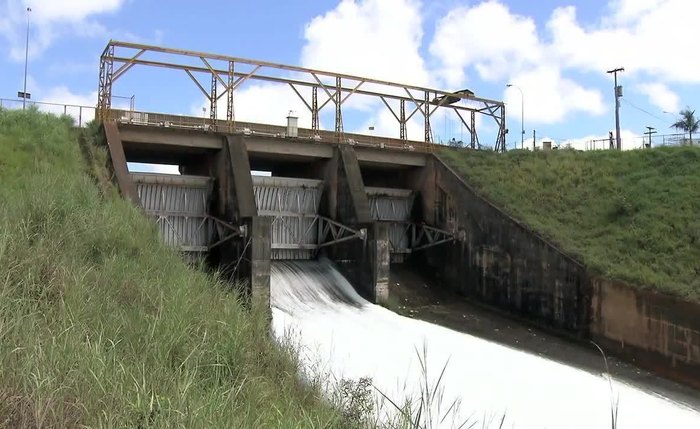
{"type": "Point", "coordinates": [687, 123]}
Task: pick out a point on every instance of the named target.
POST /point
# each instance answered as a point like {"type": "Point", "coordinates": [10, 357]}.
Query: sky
{"type": "Point", "coordinates": [556, 51]}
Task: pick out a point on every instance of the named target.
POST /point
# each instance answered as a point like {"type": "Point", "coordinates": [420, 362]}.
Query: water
{"type": "Point", "coordinates": [342, 335]}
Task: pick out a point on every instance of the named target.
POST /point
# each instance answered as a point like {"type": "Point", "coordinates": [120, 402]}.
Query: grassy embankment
{"type": "Point", "coordinates": [102, 326]}
{"type": "Point", "coordinates": [633, 216]}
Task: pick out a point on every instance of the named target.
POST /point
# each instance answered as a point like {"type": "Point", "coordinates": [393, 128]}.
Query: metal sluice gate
{"type": "Point", "coordinates": [394, 207]}
{"type": "Point", "coordinates": [180, 207]}
{"type": "Point", "coordinates": [297, 230]}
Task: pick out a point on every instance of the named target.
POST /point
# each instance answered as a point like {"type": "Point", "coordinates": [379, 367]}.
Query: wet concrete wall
{"type": "Point", "coordinates": [247, 258]}
{"type": "Point", "coordinates": [500, 261]}
{"type": "Point", "coordinates": [364, 262]}
{"type": "Point", "coordinates": [503, 263]}
{"type": "Point", "coordinates": [654, 330]}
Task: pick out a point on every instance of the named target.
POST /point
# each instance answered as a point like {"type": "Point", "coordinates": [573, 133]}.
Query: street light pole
{"type": "Point", "coordinates": [26, 60]}
{"type": "Point", "coordinates": [522, 114]}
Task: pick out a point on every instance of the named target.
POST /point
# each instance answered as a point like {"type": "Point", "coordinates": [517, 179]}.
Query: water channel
{"type": "Point", "coordinates": [341, 335]}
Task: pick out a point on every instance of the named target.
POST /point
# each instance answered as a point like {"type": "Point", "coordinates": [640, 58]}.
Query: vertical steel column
{"type": "Point", "coordinates": [402, 120]}
{"type": "Point", "coordinates": [104, 93]}
{"type": "Point", "coordinates": [426, 113]}
{"type": "Point", "coordinates": [502, 132]}
{"type": "Point", "coordinates": [229, 97]}
{"type": "Point", "coordinates": [314, 108]}
{"type": "Point", "coordinates": [338, 111]}
{"type": "Point", "coordinates": [212, 102]}
{"type": "Point", "coordinates": [473, 130]}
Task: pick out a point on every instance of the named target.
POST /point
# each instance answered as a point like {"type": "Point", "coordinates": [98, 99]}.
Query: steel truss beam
{"type": "Point", "coordinates": [233, 76]}
{"type": "Point", "coordinates": [422, 236]}
{"type": "Point", "coordinates": [328, 232]}
{"type": "Point", "coordinates": [225, 231]}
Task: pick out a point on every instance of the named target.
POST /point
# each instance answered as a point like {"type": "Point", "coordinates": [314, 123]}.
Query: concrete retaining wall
{"type": "Point", "coordinates": [656, 331]}
{"type": "Point", "coordinates": [501, 261]}
{"type": "Point", "coordinates": [505, 264]}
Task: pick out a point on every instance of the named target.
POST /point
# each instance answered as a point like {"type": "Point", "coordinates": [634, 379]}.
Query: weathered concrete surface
{"type": "Point", "coordinates": [242, 179]}
{"type": "Point", "coordinates": [258, 252]}
{"type": "Point", "coordinates": [149, 143]}
{"type": "Point", "coordinates": [505, 264]}
{"type": "Point", "coordinates": [329, 198]}
{"type": "Point", "coordinates": [364, 262]}
{"type": "Point", "coordinates": [281, 148]}
{"type": "Point", "coordinates": [501, 261]}
{"type": "Point", "coordinates": [390, 158]}
{"type": "Point", "coordinates": [656, 331]}
{"type": "Point", "coordinates": [377, 257]}
{"type": "Point", "coordinates": [168, 138]}
{"type": "Point", "coordinates": [118, 164]}
{"type": "Point", "coordinates": [353, 205]}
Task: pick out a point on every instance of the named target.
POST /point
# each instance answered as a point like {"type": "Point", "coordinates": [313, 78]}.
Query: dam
{"type": "Point", "coordinates": [317, 239]}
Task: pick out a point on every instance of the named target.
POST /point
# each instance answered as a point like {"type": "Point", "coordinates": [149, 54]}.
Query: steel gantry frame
{"type": "Point", "coordinates": [337, 88]}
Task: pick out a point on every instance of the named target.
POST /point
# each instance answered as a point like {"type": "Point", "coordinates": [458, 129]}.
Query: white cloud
{"type": "Point", "coordinates": [377, 39]}
{"type": "Point", "coordinates": [630, 140]}
{"type": "Point", "coordinates": [661, 96]}
{"type": "Point", "coordinates": [60, 100]}
{"type": "Point", "coordinates": [372, 38]}
{"type": "Point", "coordinates": [644, 36]}
{"type": "Point", "coordinates": [50, 19]}
{"type": "Point", "coordinates": [466, 37]}
{"type": "Point", "coordinates": [264, 103]}
{"type": "Point", "coordinates": [516, 54]}
{"type": "Point", "coordinates": [549, 97]}
{"type": "Point", "coordinates": [647, 37]}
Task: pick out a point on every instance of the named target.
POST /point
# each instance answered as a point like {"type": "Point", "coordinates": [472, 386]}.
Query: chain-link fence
{"type": "Point", "coordinates": [628, 143]}
{"type": "Point", "coordinates": [81, 114]}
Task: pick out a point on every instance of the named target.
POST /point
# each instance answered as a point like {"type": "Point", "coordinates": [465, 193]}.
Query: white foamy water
{"type": "Point", "coordinates": [340, 333]}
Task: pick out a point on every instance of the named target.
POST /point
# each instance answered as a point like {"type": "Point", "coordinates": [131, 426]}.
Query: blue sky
{"type": "Point", "coordinates": [556, 51]}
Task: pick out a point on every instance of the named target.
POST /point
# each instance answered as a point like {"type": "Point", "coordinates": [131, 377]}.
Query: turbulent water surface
{"type": "Point", "coordinates": [342, 335]}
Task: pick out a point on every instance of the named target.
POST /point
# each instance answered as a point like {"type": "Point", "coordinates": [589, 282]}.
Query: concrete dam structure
{"type": "Point", "coordinates": [314, 203]}
{"type": "Point", "coordinates": [365, 203]}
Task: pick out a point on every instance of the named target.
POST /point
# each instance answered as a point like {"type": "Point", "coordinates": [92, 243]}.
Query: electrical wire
{"type": "Point", "coordinates": [642, 110]}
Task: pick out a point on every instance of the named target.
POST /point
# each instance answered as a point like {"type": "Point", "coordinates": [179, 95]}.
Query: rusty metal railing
{"type": "Point", "coordinates": [251, 128]}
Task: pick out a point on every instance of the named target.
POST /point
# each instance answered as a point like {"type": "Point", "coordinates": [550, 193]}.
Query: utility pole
{"type": "Point", "coordinates": [650, 131]}
{"type": "Point", "coordinates": [618, 94]}
{"type": "Point", "coordinates": [534, 135]}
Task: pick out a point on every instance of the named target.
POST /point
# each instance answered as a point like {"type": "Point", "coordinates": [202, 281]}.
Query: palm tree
{"type": "Point", "coordinates": [687, 123]}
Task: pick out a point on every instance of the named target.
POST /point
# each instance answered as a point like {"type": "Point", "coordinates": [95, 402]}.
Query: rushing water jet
{"type": "Point", "coordinates": [340, 333]}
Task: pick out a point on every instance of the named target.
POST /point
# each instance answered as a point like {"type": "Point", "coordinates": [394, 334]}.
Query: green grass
{"type": "Point", "coordinates": [631, 216]}
{"type": "Point", "coordinates": [102, 326]}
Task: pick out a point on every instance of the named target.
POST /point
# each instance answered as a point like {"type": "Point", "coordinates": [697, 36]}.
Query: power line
{"type": "Point", "coordinates": [626, 101]}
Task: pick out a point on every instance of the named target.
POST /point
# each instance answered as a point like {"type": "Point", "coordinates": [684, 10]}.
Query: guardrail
{"type": "Point", "coordinates": [81, 114]}
{"type": "Point", "coordinates": [250, 128]}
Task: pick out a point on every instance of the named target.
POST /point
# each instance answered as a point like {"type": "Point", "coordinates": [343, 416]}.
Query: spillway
{"type": "Point", "coordinates": [340, 334]}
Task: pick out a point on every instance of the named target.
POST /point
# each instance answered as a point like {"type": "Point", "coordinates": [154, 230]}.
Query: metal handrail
{"type": "Point", "coordinates": [251, 128]}
{"type": "Point", "coordinates": [83, 112]}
